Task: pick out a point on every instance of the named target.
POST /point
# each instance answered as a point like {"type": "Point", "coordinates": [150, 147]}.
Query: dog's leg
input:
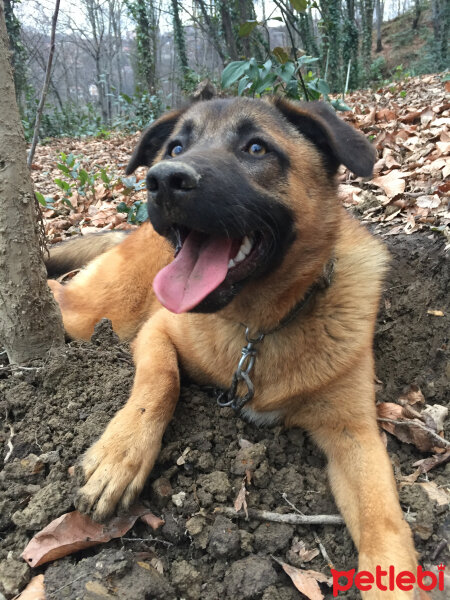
{"type": "Point", "coordinates": [362, 479]}
{"type": "Point", "coordinates": [117, 465]}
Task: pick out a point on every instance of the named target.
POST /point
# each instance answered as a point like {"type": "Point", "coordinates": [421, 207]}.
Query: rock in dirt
{"type": "Point", "coordinates": [43, 507]}
{"type": "Point", "coordinates": [110, 575]}
{"type": "Point", "coordinates": [216, 484]}
{"type": "Point", "coordinates": [224, 539]}
{"type": "Point", "coordinates": [186, 579]}
{"type": "Point", "coordinates": [14, 575]}
{"type": "Point", "coordinates": [249, 577]}
{"type": "Point", "coordinates": [248, 459]}
{"type": "Point", "coordinates": [273, 537]}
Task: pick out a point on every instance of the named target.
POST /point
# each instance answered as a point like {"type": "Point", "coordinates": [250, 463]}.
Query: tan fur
{"type": "Point", "coordinates": [317, 373]}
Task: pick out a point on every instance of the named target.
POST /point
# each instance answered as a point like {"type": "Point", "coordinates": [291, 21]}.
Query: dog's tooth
{"type": "Point", "coordinates": [246, 246]}
{"type": "Point", "coordinates": [231, 264]}
{"type": "Point", "coordinates": [240, 256]}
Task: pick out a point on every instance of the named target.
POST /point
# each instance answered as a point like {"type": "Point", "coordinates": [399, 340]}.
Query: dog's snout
{"type": "Point", "coordinates": [168, 179]}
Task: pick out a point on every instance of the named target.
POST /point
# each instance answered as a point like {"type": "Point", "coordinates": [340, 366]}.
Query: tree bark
{"type": "Point", "coordinates": [379, 13]}
{"type": "Point", "coordinates": [30, 322]}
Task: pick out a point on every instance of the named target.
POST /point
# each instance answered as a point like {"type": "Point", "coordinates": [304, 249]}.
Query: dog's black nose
{"type": "Point", "coordinates": [168, 180]}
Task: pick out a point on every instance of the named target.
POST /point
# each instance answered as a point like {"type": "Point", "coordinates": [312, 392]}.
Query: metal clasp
{"type": "Point", "coordinates": [242, 373]}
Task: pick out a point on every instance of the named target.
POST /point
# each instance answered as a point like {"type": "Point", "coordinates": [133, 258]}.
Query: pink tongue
{"type": "Point", "coordinates": [199, 268]}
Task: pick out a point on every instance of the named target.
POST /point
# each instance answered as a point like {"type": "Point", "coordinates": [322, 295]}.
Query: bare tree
{"type": "Point", "coordinates": [379, 8]}
{"type": "Point", "coordinates": [30, 322]}
{"type": "Point", "coordinates": [48, 71]}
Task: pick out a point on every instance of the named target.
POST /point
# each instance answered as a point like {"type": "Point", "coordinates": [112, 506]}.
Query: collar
{"type": "Point", "coordinates": [248, 353]}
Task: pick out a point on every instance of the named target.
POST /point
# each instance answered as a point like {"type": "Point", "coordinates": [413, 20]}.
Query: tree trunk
{"type": "Point", "coordinates": [417, 13]}
{"type": "Point", "coordinates": [379, 12]}
{"type": "Point", "coordinates": [366, 40]}
{"type": "Point", "coordinates": [441, 27]}
{"type": "Point", "coordinates": [48, 72]}
{"type": "Point", "coordinates": [30, 322]}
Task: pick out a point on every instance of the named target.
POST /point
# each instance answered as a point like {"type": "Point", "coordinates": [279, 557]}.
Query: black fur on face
{"type": "Point", "coordinates": [219, 185]}
{"type": "Point", "coordinates": [218, 171]}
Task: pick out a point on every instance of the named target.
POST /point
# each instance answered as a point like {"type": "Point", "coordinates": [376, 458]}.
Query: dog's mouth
{"type": "Point", "coordinates": [203, 263]}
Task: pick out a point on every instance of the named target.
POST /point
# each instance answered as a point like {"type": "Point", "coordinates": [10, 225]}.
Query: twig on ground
{"type": "Point", "coordinates": [148, 539]}
{"type": "Point", "coordinates": [440, 441]}
{"type": "Point", "coordinates": [9, 443]}
{"type": "Point", "coordinates": [316, 537]}
{"type": "Point", "coordinates": [266, 515]}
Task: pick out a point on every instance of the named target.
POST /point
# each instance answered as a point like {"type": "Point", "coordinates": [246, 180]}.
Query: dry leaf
{"type": "Point", "coordinates": [426, 116]}
{"type": "Point", "coordinates": [152, 521]}
{"type": "Point", "coordinates": [392, 184]}
{"type": "Point", "coordinates": [305, 580]}
{"type": "Point", "coordinates": [435, 313]}
{"type": "Point", "coordinates": [411, 396]}
{"type": "Point", "coordinates": [34, 591]}
{"type": "Point", "coordinates": [241, 501]}
{"type": "Point", "coordinates": [72, 532]}
{"type": "Point", "coordinates": [303, 553]}
{"type": "Point", "coordinates": [439, 495]}
{"type": "Point", "coordinates": [411, 432]}
{"type": "Point", "coordinates": [426, 464]}
{"type": "Point", "coordinates": [435, 416]}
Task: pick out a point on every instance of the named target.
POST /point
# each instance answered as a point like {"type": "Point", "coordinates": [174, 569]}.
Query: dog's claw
{"type": "Point", "coordinates": [114, 472]}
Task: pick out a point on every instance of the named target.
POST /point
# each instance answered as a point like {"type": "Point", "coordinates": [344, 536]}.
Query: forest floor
{"type": "Point", "coordinates": [54, 412]}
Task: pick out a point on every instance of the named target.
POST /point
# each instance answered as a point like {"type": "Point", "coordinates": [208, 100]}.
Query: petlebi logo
{"type": "Point", "coordinates": [388, 580]}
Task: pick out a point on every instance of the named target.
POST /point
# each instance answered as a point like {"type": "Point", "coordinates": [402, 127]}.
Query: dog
{"type": "Point", "coordinates": [249, 276]}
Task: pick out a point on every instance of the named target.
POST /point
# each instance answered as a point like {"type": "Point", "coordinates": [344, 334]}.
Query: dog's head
{"type": "Point", "coordinates": [234, 184]}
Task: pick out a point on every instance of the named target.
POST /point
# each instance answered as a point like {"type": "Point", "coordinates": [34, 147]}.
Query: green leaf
{"type": "Point", "coordinates": [67, 202]}
{"type": "Point", "coordinates": [243, 84]}
{"type": "Point", "coordinates": [70, 160]}
{"type": "Point", "coordinates": [104, 177]}
{"type": "Point", "coordinates": [277, 19]}
{"type": "Point", "coordinates": [280, 54]}
{"type": "Point", "coordinates": [142, 213]}
{"type": "Point", "coordinates": [266, 84]}
{"type": "Point", "coordinates": [83, 176]}
{"type": "Point", "coordinates": [286, 71]}
{"type": "Point", "coordinates": [233, 72]}
{"type": "Point", "coordinates": [127, 98]}
{"type": "Point", "coordinates": [129, 182]}
{"type": "Point", "coordinates": [40, 198]}
{"type": "Point", "coordinates": [299, 5]}
{"type": "Point", "coordinates": [306, 60]}
{"type": "Point", "coordinates": [339, 104]}
{"type": "Point", "coordinates": [122, 207]}
{"type": "Point", "coordinates": [64, 169]}
{"type": "Point", "coordinates": [246, 28]}
{"type": "Point", "coordinates": [63, 156]}
{"type": "Point", "coordinates": [62, 184]}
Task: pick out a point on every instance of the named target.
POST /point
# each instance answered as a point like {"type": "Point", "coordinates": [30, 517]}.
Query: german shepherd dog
{"type": "Point", "coordinates": [251, 277]}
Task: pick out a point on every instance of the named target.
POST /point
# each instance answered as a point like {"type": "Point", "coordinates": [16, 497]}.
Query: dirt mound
{"type": "Point", "coordinates": [53, 413]}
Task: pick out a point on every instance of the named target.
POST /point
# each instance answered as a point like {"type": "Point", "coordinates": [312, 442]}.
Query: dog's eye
{"type": "Point", "coordinates": [256, 149]}
{"type": "Point", "coordinates": [176, 150]}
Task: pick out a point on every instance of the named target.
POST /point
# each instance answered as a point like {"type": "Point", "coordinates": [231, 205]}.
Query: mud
{"type": "Point", "coordinates": [51, 414]}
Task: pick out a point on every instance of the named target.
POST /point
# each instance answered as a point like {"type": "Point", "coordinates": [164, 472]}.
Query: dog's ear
{"type": "Point", "coordinates": [338, 142]}
{"type": "Point", "coordinates": [152, 140]}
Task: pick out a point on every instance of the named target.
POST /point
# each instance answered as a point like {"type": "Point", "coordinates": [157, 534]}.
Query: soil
{"type": "Point", "coordinates": [58, 409]}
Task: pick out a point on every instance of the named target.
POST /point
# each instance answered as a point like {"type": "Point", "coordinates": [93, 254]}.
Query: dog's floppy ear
{"type": "Point", "coordinates": [339, 142]}
{"type": "Point", "coordinates": [151, 141]}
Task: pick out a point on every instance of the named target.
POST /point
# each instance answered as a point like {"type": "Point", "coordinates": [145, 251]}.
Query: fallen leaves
{"type": "Point", "coordinates": [392, 184]}
{"type": "Point", "coordinates": [409, 122]}
{"type": "Point", "coordinates": [34, 591]}
{"type": "Point", "coordinates": [414, 422]}
{"type": "Point", "coordinates": [73, 531]}
{"type": "Point", "coordinates": [306, 581]}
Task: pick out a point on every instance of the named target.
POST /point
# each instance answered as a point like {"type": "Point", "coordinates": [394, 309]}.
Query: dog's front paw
{"type": "Point", "coordinates": [114, 470]}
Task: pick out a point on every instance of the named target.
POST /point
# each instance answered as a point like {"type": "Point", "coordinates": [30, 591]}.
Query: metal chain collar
{"type": "Point", "coordinates": [230, 398]}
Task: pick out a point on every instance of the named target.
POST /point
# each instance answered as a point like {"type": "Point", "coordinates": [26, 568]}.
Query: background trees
{"type": "Point", "coordinates": [118, 63]}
